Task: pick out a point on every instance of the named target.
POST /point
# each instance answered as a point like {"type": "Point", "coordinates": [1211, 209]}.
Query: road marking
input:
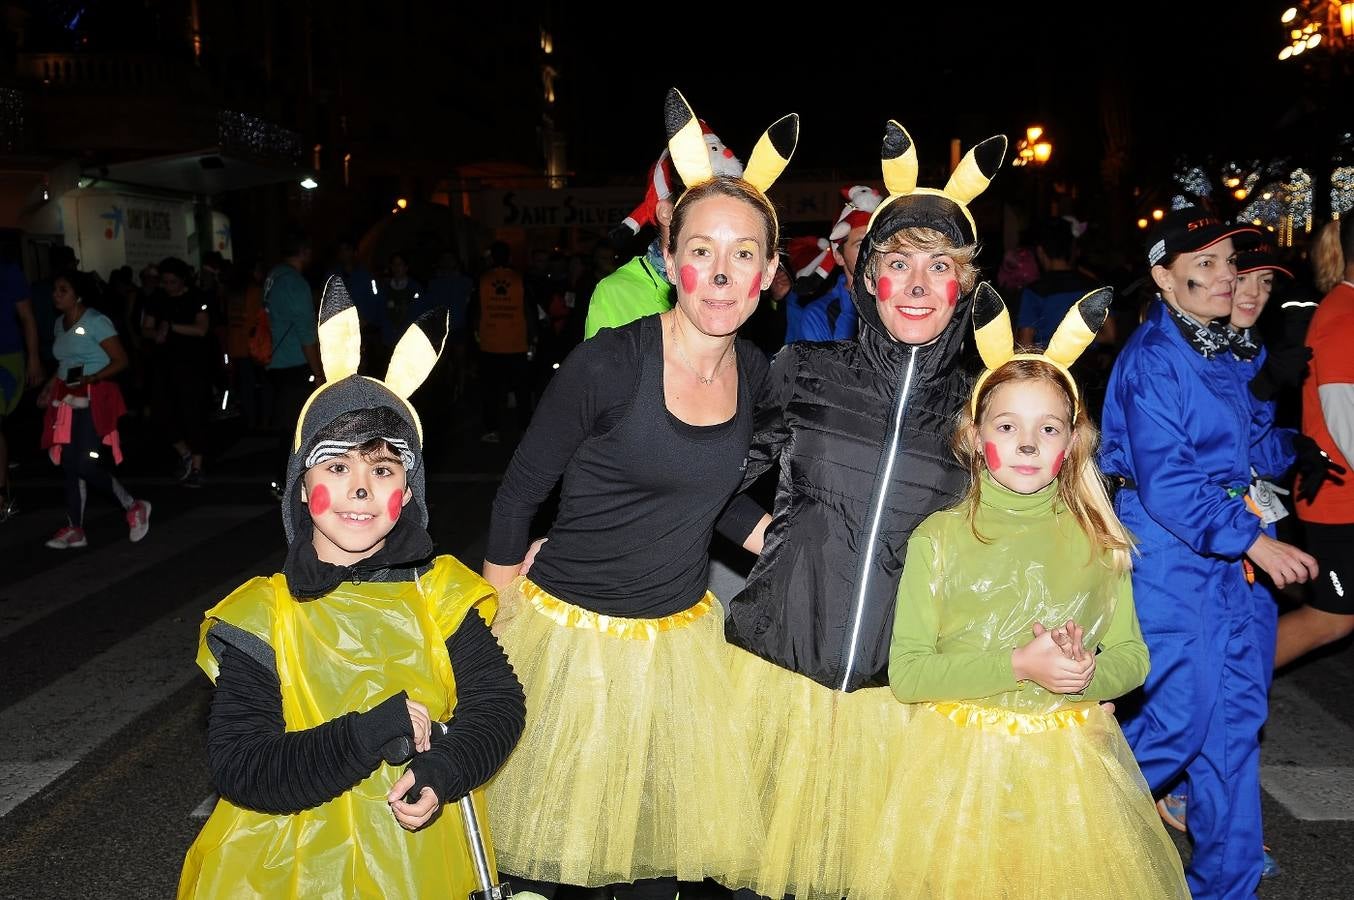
{"type": "Point", "coordinates": [1301, 755]}
{"type": "Point", "coordinates": [81, 573]}
{"type": "Point", "coordinates": [204, 809]}
{"type": "Point", "coordinates": [51, 730]}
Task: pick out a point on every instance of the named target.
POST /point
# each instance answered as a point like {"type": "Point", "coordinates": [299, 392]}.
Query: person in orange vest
{"type": "Point", "coordinates": [507, 334]}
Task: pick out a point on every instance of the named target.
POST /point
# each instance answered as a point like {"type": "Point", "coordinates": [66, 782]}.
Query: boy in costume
{"type": "Point", "coordinates": [365, 638]}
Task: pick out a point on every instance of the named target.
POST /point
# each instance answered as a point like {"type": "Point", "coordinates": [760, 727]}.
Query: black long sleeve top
{"type": "Point", "coordinates": [641, 489]}
{"type": "Point", "coordinates": [257, 764]}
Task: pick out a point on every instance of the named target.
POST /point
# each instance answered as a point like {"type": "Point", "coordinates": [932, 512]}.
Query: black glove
{"type": "Point", "coordinates": [1313, 467]}
{"type": "Point", "coordinates": [1284, 367]}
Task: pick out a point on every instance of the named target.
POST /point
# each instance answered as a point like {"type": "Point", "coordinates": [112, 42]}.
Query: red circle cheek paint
{"type": "Point", "coordinates": [952, 292]}
{"type": "Point", "coordinates": [319, 500]}
{"type": "Point", "coordinates": [1058, 463]}
{"type": "Point", "coordinates": [755, 289]}
{"type": "Point", "coordinates": [990, 454]}
{"type": "Point", "coordinates": [395, 505]}
{"type": "Point", "coordinates": [689, 279]}
{"type": "Point", "coordinates": [885, 289]}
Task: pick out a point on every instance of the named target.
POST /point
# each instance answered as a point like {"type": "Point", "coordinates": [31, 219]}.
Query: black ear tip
{"type": "Point", "coordinates": [335, 298]}
{"type": "Point", "coordinates": [990, 153]}
{"type": "Point", "coordinates": [896, 141]}
{"type": "Point", "coordinates": [1095, 307]}
{"type": "Point", "coordinates": [784, 135]}
{"type": "Point", "coordinates": [676, 111]}
{"type": "Point", "coordinates": [434, 324]}
{"type": "Point", "coordinates": [987, 304]}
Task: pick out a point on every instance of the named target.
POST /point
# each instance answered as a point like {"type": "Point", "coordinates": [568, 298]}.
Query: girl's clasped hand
{"type": "Point", "coordinates": [1056, 659]}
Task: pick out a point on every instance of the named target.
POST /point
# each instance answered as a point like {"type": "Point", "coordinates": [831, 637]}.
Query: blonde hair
{"type": "Point", "coordinates": [1081, 487]}
{"type": "Point", "coordinates": [1333, 250]}
{"type": "Point", "coordinates": [927, 240]}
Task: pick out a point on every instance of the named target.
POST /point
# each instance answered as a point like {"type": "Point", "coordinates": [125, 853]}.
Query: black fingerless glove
{"type": "Point", "coordinates": [1284, 367]}
{"type": "Point", "coordinates": [380, 729]}
{"type": "Point", "coordinates": [1313, 467]}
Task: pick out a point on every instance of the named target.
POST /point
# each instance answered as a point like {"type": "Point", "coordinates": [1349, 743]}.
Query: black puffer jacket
{"type": "Point", "coordinates": [862, 432]}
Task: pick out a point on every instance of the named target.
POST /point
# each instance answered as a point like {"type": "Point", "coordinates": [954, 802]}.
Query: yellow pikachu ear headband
{"type": "Point", "coordinates": [944, 210]}
{"type": "Point", "coordinates": [691, 156]}
{"type": "Point", "coordinates": [996, 341]}
{"type": "Point", "coordinates": [340, 340]}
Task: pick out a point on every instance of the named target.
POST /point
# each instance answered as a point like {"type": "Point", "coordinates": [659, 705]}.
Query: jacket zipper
{"type": "Point", "coordinates": [881, 493]}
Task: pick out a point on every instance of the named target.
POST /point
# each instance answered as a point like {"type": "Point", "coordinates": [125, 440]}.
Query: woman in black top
{"type": "Point", "coordinates": [614, 636]}
{"type": "Point", "coordinates": [182, 395]}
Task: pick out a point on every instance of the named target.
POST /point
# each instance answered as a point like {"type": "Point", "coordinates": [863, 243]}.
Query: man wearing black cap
{"type": "Point", "coordinates": [1181, 436]}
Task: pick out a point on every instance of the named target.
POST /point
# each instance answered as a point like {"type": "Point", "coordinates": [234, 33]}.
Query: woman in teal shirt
{"type": "Point", "coordinates": [82, 406]}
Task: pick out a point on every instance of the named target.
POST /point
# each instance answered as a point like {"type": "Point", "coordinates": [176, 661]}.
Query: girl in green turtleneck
{"type": "Point", "coordinates": [1015, 618]}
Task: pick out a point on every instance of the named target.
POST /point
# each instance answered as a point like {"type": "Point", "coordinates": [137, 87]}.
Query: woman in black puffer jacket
{"type": "Point", "coordinates": [861, 430]}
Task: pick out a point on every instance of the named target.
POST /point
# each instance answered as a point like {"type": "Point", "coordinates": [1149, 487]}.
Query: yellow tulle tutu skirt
{"type": "Point", "coordinates": [632, 764]}
{"type": "Point", "coordinates": [822, 762]}
{"type": "Point", "coordinates": [1001, 805]}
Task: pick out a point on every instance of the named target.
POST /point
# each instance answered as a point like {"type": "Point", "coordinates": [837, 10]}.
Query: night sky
{"type": "Point", "coordinates": [1193, 77]}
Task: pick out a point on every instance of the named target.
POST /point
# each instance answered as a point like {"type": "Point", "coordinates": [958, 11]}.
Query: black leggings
{"type": "Point", "coordinates": [86, 460]}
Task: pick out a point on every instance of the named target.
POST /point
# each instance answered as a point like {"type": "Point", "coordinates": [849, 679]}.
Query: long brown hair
{"type": "Point", "coordinates": [1333, 252]}
{"type": "Point", "coordinates": [1081, 487]}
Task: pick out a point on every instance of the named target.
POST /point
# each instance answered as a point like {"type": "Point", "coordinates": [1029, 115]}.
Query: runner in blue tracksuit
{"type": "Point", "coordinates": [1181, 430]}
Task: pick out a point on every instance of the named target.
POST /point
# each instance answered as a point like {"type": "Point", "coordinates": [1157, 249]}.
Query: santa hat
{"type": "Point", "coordinates": [810, 256]}
{"type": "Point", "coordinates": [662, 177]}
{"type": "Point", "coordinates": [861, 200]}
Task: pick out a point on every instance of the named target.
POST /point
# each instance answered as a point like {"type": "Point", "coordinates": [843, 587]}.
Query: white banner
{"type": "Point", "coordinates": [123, 229]}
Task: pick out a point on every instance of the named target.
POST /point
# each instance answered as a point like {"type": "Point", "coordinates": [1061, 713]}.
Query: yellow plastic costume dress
{"type": "Point", "coordinates": [1011, 791]}
{"type": "Point", "coordinates": [345, 651]}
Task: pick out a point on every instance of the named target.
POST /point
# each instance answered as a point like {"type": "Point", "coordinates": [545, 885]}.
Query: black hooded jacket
{"type": "Point", "coordinates": [862, 433]}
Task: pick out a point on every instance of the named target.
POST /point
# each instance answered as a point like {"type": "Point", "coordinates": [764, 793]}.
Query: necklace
{"type": "Point", "coordinates": [699, 377]}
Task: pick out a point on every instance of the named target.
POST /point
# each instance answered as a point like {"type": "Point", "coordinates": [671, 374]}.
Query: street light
{"type": "Point", "coordinates": [1030, 150]}
{"type": "Point", "coordinates": [1315, 22]}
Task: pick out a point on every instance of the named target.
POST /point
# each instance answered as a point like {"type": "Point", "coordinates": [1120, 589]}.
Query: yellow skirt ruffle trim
{"type": "Point", "coordinates": [971, 715]}
{"type": "Point", "coordinates": [571, 616]}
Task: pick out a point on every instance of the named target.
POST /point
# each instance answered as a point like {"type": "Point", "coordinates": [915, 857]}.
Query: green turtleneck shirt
{"type": "Point", "coordinates": [965, 604]}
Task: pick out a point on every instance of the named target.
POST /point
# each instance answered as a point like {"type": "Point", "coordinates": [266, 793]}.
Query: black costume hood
{"type": "Point", "coordinates": [371, 408]}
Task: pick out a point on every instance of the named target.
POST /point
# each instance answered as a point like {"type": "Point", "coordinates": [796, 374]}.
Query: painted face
{"type": "Point", "coordinates": [721, 265]}
{"type": "Point", "coordinates": [849, 252]}
{"type": "Point", "coordinates": [915, 292]}
{"type": "Point", "coordinates": [1200, 284]}
{"type": "Point", "coordinates": [63, 296]}
{"type": "Point", "coordinates": [1250, 296]}
{"type": "Point", "coordinates": [354, 502]}
{"type": "Point", "coordinates": [1025, 434]}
